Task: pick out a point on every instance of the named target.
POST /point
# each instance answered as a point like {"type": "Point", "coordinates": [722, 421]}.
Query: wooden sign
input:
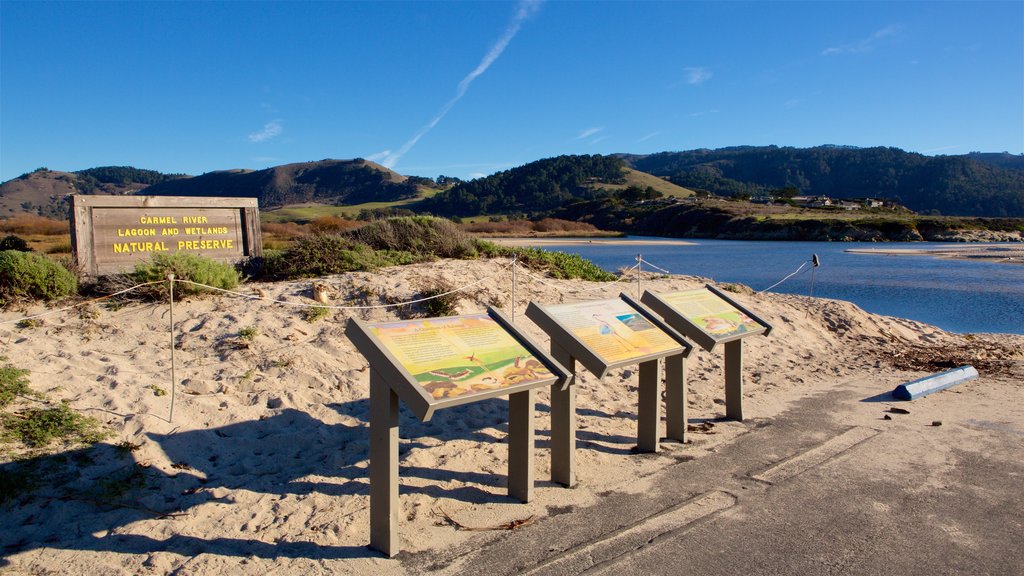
{"type": "Point", "coordinates": [110, 234]}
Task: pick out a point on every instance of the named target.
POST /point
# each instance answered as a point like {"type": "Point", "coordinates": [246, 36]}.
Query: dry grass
{"type": "Point", "coordinates": [333, 225]}
{"type": "Point", "coordinates": [32, 225]}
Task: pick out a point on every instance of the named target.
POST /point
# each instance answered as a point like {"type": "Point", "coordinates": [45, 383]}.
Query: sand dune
{"type": "Point", "coordinates": [264, 464]}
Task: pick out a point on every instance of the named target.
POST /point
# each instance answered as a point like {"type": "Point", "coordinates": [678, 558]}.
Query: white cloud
{"type": "Point", "coordinates": [695, 76]}
{"type": "Point", "coordinates": [648, 137]}
{"type": "Point", "coordinates": [525, 9]}
{"type": "Point", "coordinates": [864, 44]}
{"type": "Point", "coordinates": [589, 132]}
{"type": "Point", "coordinates": [270, 130]}
{"type": "Point", "coordinates": [379, 156]}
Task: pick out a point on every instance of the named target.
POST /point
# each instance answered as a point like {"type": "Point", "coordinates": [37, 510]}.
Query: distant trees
{"type": "Point", "coordinates": [535, 187]}
{"type": "Point", "coordinates": [979, 184]}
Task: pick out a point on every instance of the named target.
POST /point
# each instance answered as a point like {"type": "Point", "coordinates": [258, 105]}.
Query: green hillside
{"type": "Point", "coordinates": [969, 185]}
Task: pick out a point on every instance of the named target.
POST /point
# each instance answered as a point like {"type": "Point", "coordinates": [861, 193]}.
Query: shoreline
{"type": "Point", "coordinates": [573, 241]}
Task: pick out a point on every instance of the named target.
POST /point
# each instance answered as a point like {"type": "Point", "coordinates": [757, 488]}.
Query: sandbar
{"type": "Point", "coordinates": [538, 242]}
{"type": "Point", "coordinates": [1003, 253]}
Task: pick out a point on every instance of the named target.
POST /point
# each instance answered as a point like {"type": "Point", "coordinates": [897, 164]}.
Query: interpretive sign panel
{"type": "Point", "coordinates": [709, 317]}
{"type": "Point", "coordinates": [455, 360]}
{"type": "Point", "coordinates": [437, 363]}
{"type": "Point", "coordinates": [613, 332]}
{"type": "Point", "coordinates": [111, 234]}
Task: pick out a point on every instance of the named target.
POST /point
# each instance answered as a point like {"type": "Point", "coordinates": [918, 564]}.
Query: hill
{"type": "Point", "coordinates": [326, 182]}
{"type": "Point", "coordinates": [43, 191]}
{"type": "Point", "coordinates": [533, 188]}
{"type": "Point", "coordinates": [969, 185]}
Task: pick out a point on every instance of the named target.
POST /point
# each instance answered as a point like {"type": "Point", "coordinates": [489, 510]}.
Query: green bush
{"type": "Point", "coordinates": [559, 264]}
{"type": "Point", "coordinates": [421, 235]}
{"type": "Point", "coordinates": [184, 266]}
{"type": "Point", "coordinates": [30, 275]}
{"type": "Point", "coordinates": [322, 254]}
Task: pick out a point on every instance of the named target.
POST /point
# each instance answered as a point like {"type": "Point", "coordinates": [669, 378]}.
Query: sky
{"type": "Point", "coordinates": [467, 89]}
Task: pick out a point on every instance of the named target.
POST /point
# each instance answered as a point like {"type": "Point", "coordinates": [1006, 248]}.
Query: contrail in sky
{"type": "Point", "coordinates": [526, 9]}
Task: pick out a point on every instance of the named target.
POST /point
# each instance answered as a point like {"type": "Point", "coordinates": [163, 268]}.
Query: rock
{"type": "Point", "coordinates": [274, 402]}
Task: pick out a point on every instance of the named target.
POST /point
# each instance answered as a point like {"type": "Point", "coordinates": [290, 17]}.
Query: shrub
{"type": "Point", "coordinates": [441, 303]}
{"type": "Point", "coordinates": [13, 242]}
{"type": "Point", "coordinates": [29, 275]}
{"type": "Point", "coordinates": [322, 254]}
{"type": "Point", "coordinates": [562, 265]}
{"type": "Point", "coordinates": [421, 235]}
{"type": "Point", "coordinates": [184, 266]}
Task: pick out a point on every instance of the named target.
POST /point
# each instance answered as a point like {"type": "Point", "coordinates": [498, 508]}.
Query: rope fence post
{"type": "Point", "coordinates": [639, 267]}
{"type": "Point", "coordinates": [170, 280]}
{"type": "Point", "coordinates": [514, 258]}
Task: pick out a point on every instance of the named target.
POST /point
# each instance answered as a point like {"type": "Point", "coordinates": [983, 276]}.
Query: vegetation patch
{"type": "Point", "coordinates": [33, 276]}
{"type": "Point", "coordinates": [13, 383]}
{"type": "Point", "coordinates": [421, 235]}
{"type": "Point", "coordinates": [442, 300]}
{"type": "Point", "coordinates": [37, 427]}
{"type": "Point", "coordinates": [184, 266]}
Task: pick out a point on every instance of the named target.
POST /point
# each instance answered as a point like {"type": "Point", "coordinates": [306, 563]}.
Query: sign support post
{"type": "Point", "coordinates": [383, 466]}
{"type": "Point", "coordinates": [520, 445]}
{"type": "Point", "coordinates": [675, 397]}
{"type": "Point", "coordinates": [563, 422]}
{"type": "Point", "coordinates": [648, 408]}
{"type": "Point", "coordinates": [734, 380]}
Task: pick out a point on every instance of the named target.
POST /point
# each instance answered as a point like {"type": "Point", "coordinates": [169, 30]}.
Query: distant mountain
{"type": "Point", "coordinates": [970, 185]}
{"type": "Point", "coordinates": [327, 181]}
{"type": "Point", "coordinates": [976, 184]}
{"type": "Point", "coordinates": [1000, 160]}
{"type": "Point", "coordinates": [43, 191]}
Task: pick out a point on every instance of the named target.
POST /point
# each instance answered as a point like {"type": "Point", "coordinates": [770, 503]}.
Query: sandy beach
{"type": "Point", "coordinates": [264, 466]}
{"type": "Point", "coordinates": [545, 242]}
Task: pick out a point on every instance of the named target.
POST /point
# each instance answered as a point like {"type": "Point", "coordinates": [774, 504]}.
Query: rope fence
{"type": "Point", "coordinates": [624, 276]}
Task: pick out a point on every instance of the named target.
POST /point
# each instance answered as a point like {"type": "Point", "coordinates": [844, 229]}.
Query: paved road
{"type": "Point", "coordinates": [828, 487]}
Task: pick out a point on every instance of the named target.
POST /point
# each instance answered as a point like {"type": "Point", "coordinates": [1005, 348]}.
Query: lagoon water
{"type": "Point", "coordinates": [957, 295]}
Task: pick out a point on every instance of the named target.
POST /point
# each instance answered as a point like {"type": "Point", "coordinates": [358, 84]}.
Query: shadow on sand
{"type": "Point", "coordinates": [76, 500]}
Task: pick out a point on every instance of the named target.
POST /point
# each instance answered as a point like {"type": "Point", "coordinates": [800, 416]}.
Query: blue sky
{"type": "Point", "coordinates": [470, 88]}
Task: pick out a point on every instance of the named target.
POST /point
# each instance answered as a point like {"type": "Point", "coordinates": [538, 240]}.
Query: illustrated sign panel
{"type": "Point", "coordinates": [613, 330]}
{"type": "Point", "coordinates": [113, 233]}
{"type": "Point", "coordinates": [460, 356]}
{"type": "Point", "coordinates": [718, 318]}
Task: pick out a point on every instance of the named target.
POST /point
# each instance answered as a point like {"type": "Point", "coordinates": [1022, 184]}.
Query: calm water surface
{"type": "Point", "coordinates": [957, 295]}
